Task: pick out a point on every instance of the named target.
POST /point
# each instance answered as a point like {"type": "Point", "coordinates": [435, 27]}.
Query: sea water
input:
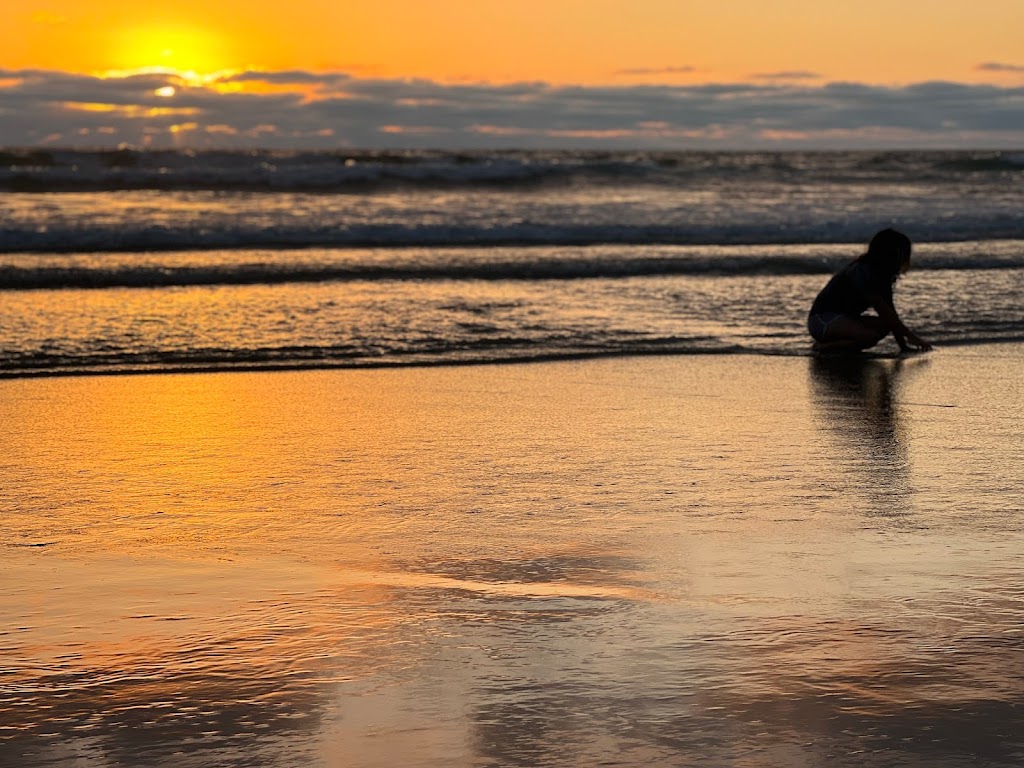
{"type": "Point", "coordinates": [130, 260]}
{"type": "Point", "coordinates": [731, 555]}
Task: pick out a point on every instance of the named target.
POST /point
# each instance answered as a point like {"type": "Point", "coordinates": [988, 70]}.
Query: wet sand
{"type": "Point", "coordinates": [703, 560]}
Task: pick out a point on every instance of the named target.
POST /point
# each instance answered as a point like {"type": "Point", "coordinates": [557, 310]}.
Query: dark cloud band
{"type": "Point", "coordinates": [324, 110]}
{"type": "Point", "coordinates": [995, 66]}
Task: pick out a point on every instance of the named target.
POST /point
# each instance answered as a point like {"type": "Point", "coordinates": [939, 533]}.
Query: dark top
{"type": "Point", "coordinates": [850, 289]}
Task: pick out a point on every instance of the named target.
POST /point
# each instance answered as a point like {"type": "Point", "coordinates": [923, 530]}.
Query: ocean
{"type": "Point", "coordinates": [128, 260]}
{"type": "Point", "coordinates": [699, 546]}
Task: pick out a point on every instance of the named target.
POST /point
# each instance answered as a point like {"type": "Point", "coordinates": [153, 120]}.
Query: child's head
{"type": "Point", "coordinates": [889, 251]}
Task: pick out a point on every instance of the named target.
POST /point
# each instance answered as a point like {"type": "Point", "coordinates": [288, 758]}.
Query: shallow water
{"type": "Point", "coordinates": [176, 260]}
{"type": "Point", "coordinates": [266, 309]}
{"type": "Point", "coordinates": [682, 561]}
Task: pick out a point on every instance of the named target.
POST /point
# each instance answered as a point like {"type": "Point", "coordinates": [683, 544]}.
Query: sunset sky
{"type": "Point", "coordinates": [665, 73]}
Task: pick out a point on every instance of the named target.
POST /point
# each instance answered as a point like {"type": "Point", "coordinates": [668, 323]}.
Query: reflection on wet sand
{"type": "Point", "coordinates": [145, 662]}
{"type": "Point", "coordinates": [856, 401]}
{"type": "Point", "coordinates": [894, 686]}
{"type": "Point", "coordinates": [658, 562]}
{"type": "Point", "coordinates": [234, 664]}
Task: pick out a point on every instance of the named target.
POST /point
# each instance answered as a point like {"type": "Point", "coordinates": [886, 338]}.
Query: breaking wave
{"type": "Point", "coordinates": [361, 171]}
{"type": "Point", "coordinates": [29, 272]}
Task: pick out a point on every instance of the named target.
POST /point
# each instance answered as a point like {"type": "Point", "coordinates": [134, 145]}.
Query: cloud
{"type": "Point", "coordinates": [995, 66]}
{"type": "Point", "coordinates": [646, 71]}
{"type": "Point", "coordinates": [287, 77]}
{"type": "Point", "coordinates": [302, 109]}
{"type": "Point", "coordinates": [794, 74]}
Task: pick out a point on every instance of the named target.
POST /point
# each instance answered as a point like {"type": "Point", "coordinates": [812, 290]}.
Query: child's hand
{"type": "Point", "coordinates": [917, 344]}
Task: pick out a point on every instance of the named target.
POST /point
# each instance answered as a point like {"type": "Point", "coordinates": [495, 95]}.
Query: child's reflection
{"type": "Point", "coordinates": [856, 403]}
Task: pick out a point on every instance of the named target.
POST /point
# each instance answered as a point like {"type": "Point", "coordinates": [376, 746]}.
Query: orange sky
{"type": "Point", "coordinates": [560, 41]}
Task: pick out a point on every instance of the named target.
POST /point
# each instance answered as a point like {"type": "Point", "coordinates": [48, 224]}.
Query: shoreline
{"type": "Point", "coordinates": [554, 357]}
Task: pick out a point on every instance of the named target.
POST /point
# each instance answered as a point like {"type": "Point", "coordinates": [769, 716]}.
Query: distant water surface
{"type": "Point", "coordinates": [71, 201]}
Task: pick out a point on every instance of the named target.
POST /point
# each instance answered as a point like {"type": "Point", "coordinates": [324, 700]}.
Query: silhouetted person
{"type": "Point", "coordinates": [837, 320]}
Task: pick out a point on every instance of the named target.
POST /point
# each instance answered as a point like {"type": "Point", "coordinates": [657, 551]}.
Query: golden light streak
{"type": "Point", "coordinates": [220, 83]}
{"type": "Point", "coordinates": [415, 130]}
{"type": "Point", "coordinates": [128, 110]}
{"type": "Point", "coordinates": [184, 77]}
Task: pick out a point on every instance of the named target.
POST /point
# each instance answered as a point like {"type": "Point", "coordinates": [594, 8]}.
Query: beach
{"type": "Point", "coordinates": [691, 559]}
{"type": "Point", "coordinates": [511, 385]}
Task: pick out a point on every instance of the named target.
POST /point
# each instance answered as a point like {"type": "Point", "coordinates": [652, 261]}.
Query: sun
{"type": "Point", "coordinates": [178, 49]}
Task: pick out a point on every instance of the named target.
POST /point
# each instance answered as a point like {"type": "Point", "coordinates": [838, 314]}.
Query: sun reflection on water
{"type": "Point", "coordinates": [503, 565]}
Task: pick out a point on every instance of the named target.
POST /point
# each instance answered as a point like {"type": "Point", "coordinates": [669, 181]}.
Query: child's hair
{"type": "Point", "coordinates": [889, 253]}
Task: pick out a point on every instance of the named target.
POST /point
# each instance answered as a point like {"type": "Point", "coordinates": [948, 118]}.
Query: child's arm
{"type": "Point", "coordinates": [887, 312]}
